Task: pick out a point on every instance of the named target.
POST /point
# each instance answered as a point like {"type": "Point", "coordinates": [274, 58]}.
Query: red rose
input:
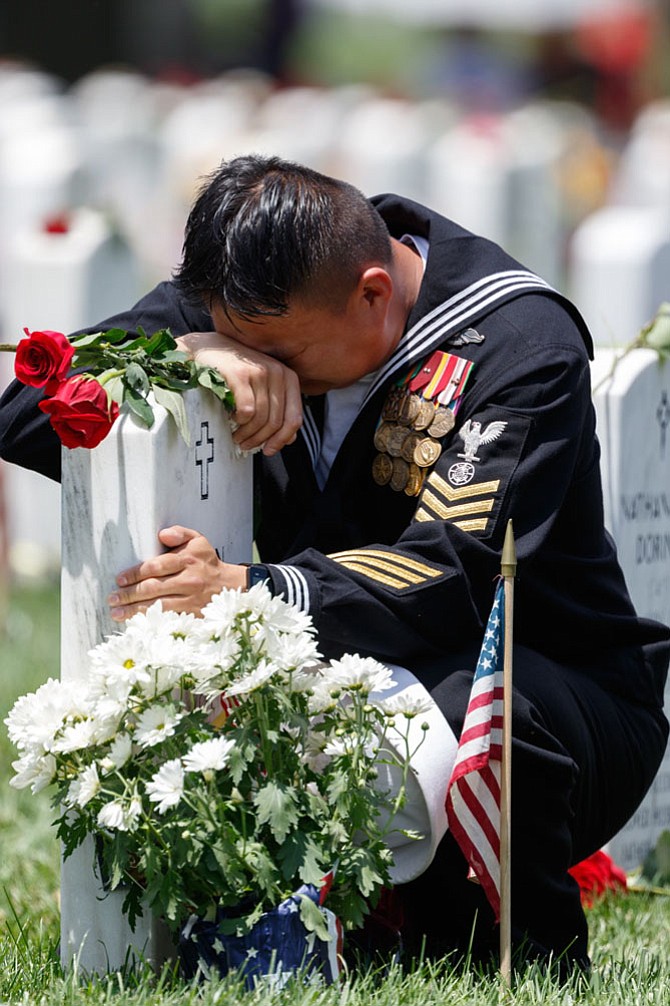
{"type": "Point", "coordinates": [595, 875]}
{"type": "Point", "coordinates": [43, 359]}
{"type": "Point", "coordinates": [80, 412]}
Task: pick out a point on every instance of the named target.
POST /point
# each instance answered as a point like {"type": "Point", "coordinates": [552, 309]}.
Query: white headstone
{"type": "Point", "coordinates": [383, 145]}
{"type": "Point", "coordinates": [620, 270]}
{"type": "Point", "coordinates": [642, 176]}
{"type": "Point", "coordinates": [633, 416]}
{"type": "Point", "coordinates": [496, 176]}
{"type": "Point", "coordinates": [115, 500]}
{"type": "Point", "coordinates": [62, 282]}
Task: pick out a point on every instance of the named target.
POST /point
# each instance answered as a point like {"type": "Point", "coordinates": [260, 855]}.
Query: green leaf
{"type": "Point", "coordinates": [160, 342]}
{"type": "Point", "coordinates": [313, 919]}
{"type": "Point", "coordinates": [139, 407]}
{"type": "Point", "coordinates": [277, 807]}
{"type": "Point", "coordinates": [114, 388]}
{"type": "Point", "coordinates": [657, 333]}
{"type": "Point", "coordinates": [113, 335]}
{"type": "Point", "coordinates": [136, 378]}
{"type": "Point", "coordinates": [173, 402]}
{"type": "Point", "coordinates": [214, 382]}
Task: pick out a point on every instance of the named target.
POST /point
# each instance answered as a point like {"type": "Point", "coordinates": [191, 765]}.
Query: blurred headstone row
{"type": "Point", "coordinates": [96, 179]}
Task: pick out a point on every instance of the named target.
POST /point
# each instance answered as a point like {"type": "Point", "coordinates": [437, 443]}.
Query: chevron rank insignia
{"type": "Point", "coordinates": [392, 569]}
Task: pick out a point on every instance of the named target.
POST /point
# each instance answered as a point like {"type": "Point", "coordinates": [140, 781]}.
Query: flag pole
{"type": "Point", "coordinates": [508, 571]}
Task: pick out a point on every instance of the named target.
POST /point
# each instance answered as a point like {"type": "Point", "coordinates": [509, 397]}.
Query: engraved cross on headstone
{"type": "Point", "coordinates": [663, 416]}
{"type": "Point", "coordinates": [204, 455]}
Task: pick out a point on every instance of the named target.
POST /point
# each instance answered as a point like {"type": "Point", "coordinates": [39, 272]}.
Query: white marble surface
{"type": "Point", "coordinates": [633, 414]}
{"type": "Point", "coordinates": [620, 270]}
{"type": "Point", "coordinates": [114, 500]}
{"type": "Point", "coordinates": [67, 281]}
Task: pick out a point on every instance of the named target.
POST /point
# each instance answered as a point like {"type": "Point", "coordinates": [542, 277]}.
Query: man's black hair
{"type": "Point", "coordinates": [263, 230]}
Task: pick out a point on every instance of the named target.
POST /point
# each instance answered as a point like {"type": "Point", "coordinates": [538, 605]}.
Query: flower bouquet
{"type": "Point", "coordinates": [114, 369]}
{"type": "Point", "coordinates": [228, 776]}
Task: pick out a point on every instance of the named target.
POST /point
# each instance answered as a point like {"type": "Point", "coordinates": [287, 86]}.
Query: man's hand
{"type": "Point", "coordinates": [183, 579]}
{"type": "Point", "coordinates": [267, 393]}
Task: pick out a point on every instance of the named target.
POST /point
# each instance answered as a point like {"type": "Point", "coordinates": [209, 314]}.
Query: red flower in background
{"type": "Point", "coordinates": [597, 874]}
{"type": "Point", "coordinates": [43, 359]}
{"type": "Point", "coordinates": [80, 412]}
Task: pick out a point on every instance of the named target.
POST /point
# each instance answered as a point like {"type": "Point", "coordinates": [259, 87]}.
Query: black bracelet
{"type": "Point", "coordinates": [256, 573]}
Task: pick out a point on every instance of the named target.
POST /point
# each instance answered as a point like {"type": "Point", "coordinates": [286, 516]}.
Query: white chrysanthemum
{"type": "Point", "coordinates": [133, 811]}
{"type": "Point", "coordinates": [212, 659]}
{"type": "Point", "coordinates": [218, 616]}
{"type": "Point", "coordinates": [208, 755]}
{"type": "Point", "coordinates": [119, 752]}
{"type": "Point", "coordinates": [289, 651]}
{"type": "Point", "coordinates": [406, 704]}
{"type": "Point", "coordinates": [364, 674]}
{"type": "Point", "coordinates": [156, 723]}
{"type": "Point", "coordinates": [121, 657]}
{"type": "Point", "coordinates": [105, 727]}
{"type": "Point", "coordinates": [167, 785]}
{"type": "Point", "coordinates": [350, 743]}
{"type": "Point", "coordinates": [163, 675]}
{"type": "Point", "coordinates": [35, 718]}
{"type": "Point", "coordinates": [284, 617]}
{"type": "Point", "coordinates": [34, 770]}
{"type": "Point", "coordinates": [84, 787]}
{"type": "Point", "coordinates": [74, 737]}
{"type": "Point", "coordinates": [109, 709]}
{"type": "Point", "coordinates": [306, 679]}
{"type": "Point", "coordinates": [117, 815]}
{"type": "Point", "coordinates": [154, 622]}
{"type": "Point", "coordinates": [320, 699]}
{"type": "Point", "coordinates": [253, 680]}
{"type": "Point", "coordinates": [313, 752]}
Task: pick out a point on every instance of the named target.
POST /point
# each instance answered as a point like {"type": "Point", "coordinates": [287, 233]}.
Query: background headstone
{"type": "Point", "coordinates": [620, 270]}
{"type": "Point", "coordinates": [62, 278]}
{"type": "Point", "coordinates": [115, 500]}
{"type": "Point", "coordinates": [633, 417]}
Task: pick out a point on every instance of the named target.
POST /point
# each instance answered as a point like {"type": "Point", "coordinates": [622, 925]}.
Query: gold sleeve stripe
{"type": "Point", "coordinates": [396, 558]}
{"type": "Point", "coordinates": [422, 515]}
{"type": "Point", "coordinates": [390, 581]}
{"type": "Point", "coordinates": [407, 576]}
{"type": "Point", "coordinates": [472, 525]}
{"type": "Point", "coordinates": [450, 512]}
{"type": "Point", "coordinates": [464, 492]}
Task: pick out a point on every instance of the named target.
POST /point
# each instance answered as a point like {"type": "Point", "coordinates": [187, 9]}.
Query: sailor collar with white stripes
{"type": "Point", "coordinates": [437, 327]}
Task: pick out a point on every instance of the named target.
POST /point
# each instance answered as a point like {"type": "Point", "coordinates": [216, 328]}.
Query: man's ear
{"type": "Point", "coordinates": [375, 288]}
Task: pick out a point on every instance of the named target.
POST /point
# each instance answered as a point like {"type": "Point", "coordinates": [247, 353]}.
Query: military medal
{"type": "Point", "coordinates": [395, 440]}
{"type": "Point", "coordinates": [415, 477]}
{"type": "Point", "coordinates": [382, 468]}
{"type": "Point", "coordinates": [416, 415]}
{"type": "Point", "coordinates": [381, 436]}
{"type": "Point", "coordinates": [425, 415]}
{"type": "Point", "coordinates": [426, 452]}
{"type": "Point", "coordinates": [409, 409]}
{"type": "Point", "coordinates": [399, 474]}
{"type": "Point", "coordinates": [392, 404]}
{"type": "Point", "coordinates": [442, 423]}
{"type": "Point", "coordinates": [409, 444]}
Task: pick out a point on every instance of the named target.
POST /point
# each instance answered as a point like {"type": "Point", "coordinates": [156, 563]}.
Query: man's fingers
{"type": "Point", "coordinates": [282, 406]}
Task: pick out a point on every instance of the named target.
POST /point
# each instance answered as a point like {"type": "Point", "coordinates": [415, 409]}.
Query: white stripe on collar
{"type": "Point", "coordinates": [431, 330]}
{"type": "Point", "coordinates": [465, 306]}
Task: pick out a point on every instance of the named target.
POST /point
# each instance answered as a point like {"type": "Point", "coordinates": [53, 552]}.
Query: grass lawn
{"type": "Point", "coordinates": [630, 947]}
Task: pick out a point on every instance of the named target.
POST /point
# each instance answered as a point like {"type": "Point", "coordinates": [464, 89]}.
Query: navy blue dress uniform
{"type": "Point", "coordinates": [396, 556]}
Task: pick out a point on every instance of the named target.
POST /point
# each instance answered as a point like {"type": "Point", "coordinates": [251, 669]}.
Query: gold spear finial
{"type": "Point", "coordinates": [508, 563]}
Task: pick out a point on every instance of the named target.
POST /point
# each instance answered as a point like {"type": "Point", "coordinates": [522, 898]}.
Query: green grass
{"type": "Point", "coordinates": [629, 933]}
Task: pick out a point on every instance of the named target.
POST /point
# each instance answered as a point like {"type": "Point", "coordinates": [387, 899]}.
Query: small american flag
{"type": "Point", "coordinates": [473, 794]}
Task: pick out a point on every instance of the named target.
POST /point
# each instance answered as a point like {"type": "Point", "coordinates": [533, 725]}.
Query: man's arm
{"type": "Point", "coordinates": [269, 410]}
